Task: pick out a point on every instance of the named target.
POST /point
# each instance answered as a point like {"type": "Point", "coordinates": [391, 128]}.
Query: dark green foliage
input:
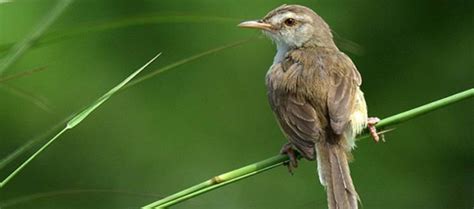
{"type": "Point", "coordinates": [211, 115]}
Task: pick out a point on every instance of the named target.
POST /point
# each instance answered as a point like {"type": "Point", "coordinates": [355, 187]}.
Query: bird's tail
{"type": "Point", "coordinates": [334, 173]}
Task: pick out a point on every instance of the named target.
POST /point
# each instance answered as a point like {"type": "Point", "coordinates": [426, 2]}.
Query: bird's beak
{"type": "Point", "coordinates": [256, 24]}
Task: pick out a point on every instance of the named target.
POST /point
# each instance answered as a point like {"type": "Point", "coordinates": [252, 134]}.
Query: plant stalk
{"type": "Point", "coordinates": [275, 161]}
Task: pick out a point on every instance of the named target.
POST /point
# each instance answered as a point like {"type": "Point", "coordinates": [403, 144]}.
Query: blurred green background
{"type": "Point", "coordinates": [211, 115]}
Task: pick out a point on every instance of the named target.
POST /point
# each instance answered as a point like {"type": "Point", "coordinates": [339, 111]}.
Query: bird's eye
{"type": "Point", "coordinates": [290, 22]}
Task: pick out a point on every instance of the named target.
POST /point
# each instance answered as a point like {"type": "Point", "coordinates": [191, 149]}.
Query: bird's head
{"type": "Point", "coordinates": [293, 26]}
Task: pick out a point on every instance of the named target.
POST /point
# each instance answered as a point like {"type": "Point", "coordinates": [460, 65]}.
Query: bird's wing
{"type": "Point", "coordinates": [344, 82]}
{"type": "Point", "coordinates": [296, 116]}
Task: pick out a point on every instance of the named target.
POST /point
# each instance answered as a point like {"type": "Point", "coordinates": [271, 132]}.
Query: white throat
{"type": "Point", "coordinates": [282, 49]}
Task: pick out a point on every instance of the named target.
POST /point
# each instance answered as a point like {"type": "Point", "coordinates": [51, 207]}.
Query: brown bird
{"type": "Point", "coordinates": [314, 91]}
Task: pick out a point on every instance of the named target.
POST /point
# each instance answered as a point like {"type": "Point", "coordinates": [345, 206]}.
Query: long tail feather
{"type": "Point", "coordinates": [334, 173]}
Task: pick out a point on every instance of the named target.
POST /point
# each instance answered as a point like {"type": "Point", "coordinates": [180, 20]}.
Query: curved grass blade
{"type": "Point", "coordinates": [123, 23]}
{"type": "Point", "coordinates": [18, 49]}
{"type": "Point", "coordinates": [77, 119]}
{"type": "Point", "coordinates": [42, 103]}
{"type": "Point", "coordinates": [275, 161]}
{"type": "Point", "coordinates": [184, 61]}
{"type": "Point", "coordinates": [29, 144]}
{"type": "Point", "coordinates": [21, 74]}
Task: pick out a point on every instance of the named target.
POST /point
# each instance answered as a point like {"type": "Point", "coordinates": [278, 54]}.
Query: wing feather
{"type": "Point", "coordinates": [296, 116]}
{"type": "Point", "coordinates": [344, 83]}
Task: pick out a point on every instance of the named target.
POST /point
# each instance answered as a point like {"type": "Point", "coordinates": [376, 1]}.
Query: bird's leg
{"type": "Point", "coordinates": [288, 150]}
{"type": "Point", "coordinates": [371, 122]}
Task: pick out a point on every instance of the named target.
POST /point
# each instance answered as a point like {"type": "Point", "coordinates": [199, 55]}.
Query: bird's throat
{"type": "Point", "coordinates": [282, 49]}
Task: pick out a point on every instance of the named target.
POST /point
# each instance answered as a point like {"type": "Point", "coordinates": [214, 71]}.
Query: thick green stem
{"type": "Point", "coordinates": [275, 161]}
{"type": "Point", "coordinates": [220, 180]}
{"type": "Point", "coordinates": [407, 115]}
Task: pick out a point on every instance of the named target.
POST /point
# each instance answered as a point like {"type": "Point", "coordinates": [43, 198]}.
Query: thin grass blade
{"type": "Point", "coordinates": [20, 150]}
{"type": "Point", "coordinates": [77, 119]}
{"type": "Point", "coordinates": [22, 74]}
{"type": "Point", "coordinates": [40, 102]}
{"type": "Point", "coordinates": [18, 49]}
{"type": "Point", "coordinates": [184, 61]}
{"type": "Point", "coordinates": [82, 115]}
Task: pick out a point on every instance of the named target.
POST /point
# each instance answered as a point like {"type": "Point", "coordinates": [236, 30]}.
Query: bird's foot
{"type": "Point", "coordinates": [288, 150]}
{"type": "Point", "coordinates": [371, 122]}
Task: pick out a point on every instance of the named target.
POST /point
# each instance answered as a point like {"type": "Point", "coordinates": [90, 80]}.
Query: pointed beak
{"type": "Point", "coordinates": [256, 24]}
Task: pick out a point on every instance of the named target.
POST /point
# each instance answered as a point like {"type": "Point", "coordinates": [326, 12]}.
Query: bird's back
{"type": "Point", "coordinates": [313, 93]}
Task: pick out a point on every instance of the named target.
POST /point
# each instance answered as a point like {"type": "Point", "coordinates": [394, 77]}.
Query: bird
{"type": "Point", "coordinates": [314, 92]}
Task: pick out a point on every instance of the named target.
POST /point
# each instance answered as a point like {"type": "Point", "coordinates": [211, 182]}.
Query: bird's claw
{"type": "Point", "coordinates": [288, 150]}
{"type": "Point", "coordinates": [371, 122]}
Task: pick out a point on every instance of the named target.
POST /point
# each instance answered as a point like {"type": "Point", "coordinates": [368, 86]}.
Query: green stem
{"type": "Point", "coordinates": [275, 161]}
{"type": "Point", "coordinates": [13, 174]}
{"type": "Point", "coordinates": [407, 115]}
{"type": "Point", "coordinates": [220, 180]}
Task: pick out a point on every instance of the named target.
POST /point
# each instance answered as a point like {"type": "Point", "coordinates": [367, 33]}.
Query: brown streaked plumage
{"type": "Point", "coordinates": [313, 89]}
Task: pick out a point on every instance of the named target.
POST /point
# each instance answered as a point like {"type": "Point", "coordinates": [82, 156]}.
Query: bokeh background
{"type": "Point", "coordinates": [211, 115]}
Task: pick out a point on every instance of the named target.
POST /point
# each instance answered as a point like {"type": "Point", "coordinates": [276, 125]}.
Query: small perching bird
{"type": "Point", "coordinates": [313, 89]}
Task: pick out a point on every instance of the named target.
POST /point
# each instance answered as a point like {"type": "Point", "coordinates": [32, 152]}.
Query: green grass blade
{"type": "Point", "coordinates": [16, 171]}
{"type": "Point", "coordinates": [82, 115]}
{"type": "Point", "coordinates": [130, 84]}
{"type": "Point", "coordinates": [77, 119]}
{"type": "Point", "coordinates": [40, 102]}
{"type": "Point", "coordinates": [277, 160]}
{"type": "Point", "coordinates": [21, 74]}
{"type": "Point", "coordinates": [184, 61]}
{"type": "Point", "coordinates": [18, 49]}
{"type": "Point", "coordinates": [19, 151]}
